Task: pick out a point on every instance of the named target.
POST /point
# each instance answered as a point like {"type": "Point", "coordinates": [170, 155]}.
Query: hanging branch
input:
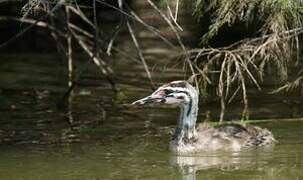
{"type": "Point", "coordinates": [243, 61]}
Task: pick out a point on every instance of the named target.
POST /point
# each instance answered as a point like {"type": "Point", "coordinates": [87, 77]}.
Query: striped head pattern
{"type": "Point", "coordinates": [176, 92]}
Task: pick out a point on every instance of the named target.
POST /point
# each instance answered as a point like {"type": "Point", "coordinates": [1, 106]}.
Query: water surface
{"type": "Point", "coordinates": [99, 137]}
{"type": "Point", "coordinates": [146, 156]}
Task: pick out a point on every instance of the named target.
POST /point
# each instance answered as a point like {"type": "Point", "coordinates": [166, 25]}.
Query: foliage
{"type": "Point", "coordinates": [275, 43]}
{"type": "Point", "coordinates": [275, 15]}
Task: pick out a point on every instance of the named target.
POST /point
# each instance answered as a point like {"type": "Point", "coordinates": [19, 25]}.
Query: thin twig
{"type": "Point", "coordinates": [140, 53]}
{"type": "Point", "coordinates": [174, 17]}
{"type": "Point", "coordinates": [133, 16]}
{"type": "Point", "coordinates": [169, 23]}
{"type": "Point", "coordinates": [69, 50]}
{"type": "Point", "coordinates": [19, 34]}
{"type": "Point", "coordinates": [100, 63]}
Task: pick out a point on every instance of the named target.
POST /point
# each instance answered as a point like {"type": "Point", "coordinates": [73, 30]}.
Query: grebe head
{"type": "Point", "coordinates": [184, 95]}
{"type": "Point", "coordinates": [177, 93]}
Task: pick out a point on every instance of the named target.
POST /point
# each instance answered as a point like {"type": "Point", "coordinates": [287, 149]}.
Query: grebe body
{"type": "Point", "coordinates": [189, 138]}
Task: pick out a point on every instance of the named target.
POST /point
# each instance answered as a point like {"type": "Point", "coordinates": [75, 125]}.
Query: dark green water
{"type": "Point", "coordinates": [146, 157]}
{"type": "Point", "coordinates": [97, 137]}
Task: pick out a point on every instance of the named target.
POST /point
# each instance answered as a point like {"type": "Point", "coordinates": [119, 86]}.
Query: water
{"type": "Point", "coordinates": [98, 137]}
{"type": "Point", "coordinates": [147, 157]}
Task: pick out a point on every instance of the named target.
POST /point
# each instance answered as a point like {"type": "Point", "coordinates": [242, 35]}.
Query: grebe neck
{"type": "Point", "coordinates": [186, 126]}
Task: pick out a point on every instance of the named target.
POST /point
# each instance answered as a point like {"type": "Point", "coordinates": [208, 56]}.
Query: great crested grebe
{"type": "Point", "coordinates": [188, 138]}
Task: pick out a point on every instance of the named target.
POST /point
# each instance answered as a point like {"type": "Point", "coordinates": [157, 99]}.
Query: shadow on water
{"type": "Point", "coordinates": [115, 140]}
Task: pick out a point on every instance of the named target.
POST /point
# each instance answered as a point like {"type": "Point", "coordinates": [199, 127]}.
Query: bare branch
{"type": "Point", "coordinates": [140, 53]}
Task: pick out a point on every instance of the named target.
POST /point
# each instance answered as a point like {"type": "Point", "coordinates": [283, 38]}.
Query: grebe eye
{"type": "Point", "coordinates": [168, 91]}
{"type": "Point", "coordinates": [180, 97]}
